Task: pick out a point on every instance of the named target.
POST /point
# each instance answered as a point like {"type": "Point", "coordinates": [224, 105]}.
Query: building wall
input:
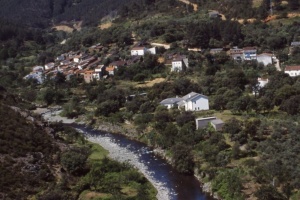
{"type": "Point", "coordinates": [137, 52]}
{"type": "Point", "coordinates": [203, 122]}
{"type": "Point", "coordinates": [199, 103]}
{"type": "Point", "coordinates": [250, 55]}
{"type": "Point", "coordinates": [266, 60]}
{"type": "Point", "coordinates": [293, 73]}
{"type": "Point", "coordinates": [176, 66]}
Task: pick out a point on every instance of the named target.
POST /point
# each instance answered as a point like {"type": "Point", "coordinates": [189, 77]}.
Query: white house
{"type": "Point", "coordinates": [138, 51]}
{"type": "Point", "coordinates": [194, 102]}
{"type": "Point", "coordinates": [292, 70]}
{"type": "Point", "coordinates": [261, 82]}
{"type": "Point", "coordinates": [190, 102]}
{"type": "Point", "coordinates": [141, 51]}
{"type": "Point", "coordinates": [249, 53]}
{"type": "Point", "coordinates": [170, 102]}
{"type": "Point", "coordinates": [179, 63]}
{"type": "Point", "coordinates": [236, 54]}
{"type": "Point", "coordinates": [265, 58]}
{"type": "Point", "coordinates": [49, 65]}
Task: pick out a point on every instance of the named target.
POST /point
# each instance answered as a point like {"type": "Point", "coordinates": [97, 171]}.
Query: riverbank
{"type": "Point", "coordinates": [52, 115]}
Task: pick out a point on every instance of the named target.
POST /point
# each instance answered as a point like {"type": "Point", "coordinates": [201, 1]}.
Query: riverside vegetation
{"type": "Point", "coordinates": [255, 156]}
{"type": "Point", "coordinates": [56, 162]}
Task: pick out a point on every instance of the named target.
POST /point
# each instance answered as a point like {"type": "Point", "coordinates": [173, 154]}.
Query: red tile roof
{"type": "Point", "coordinates": [292, 68]}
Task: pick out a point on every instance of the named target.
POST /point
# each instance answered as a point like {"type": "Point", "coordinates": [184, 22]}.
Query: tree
{"type": "Point", "coordinates": [185, 118]}
{"type": "Point", "coordinates": [183, 158]}
{"type": "Point", "coordinates": [265, 104]}
{"type": "Point", "coordinates": [233, 127]}
{"type": "Point", "coordinates": [107, 108]}
{"type": "Point", "coordinates": [74, 160]}
{"type": "Point", "coordinates": [291, 105]}
{"type": "Point", "coordinates": [228, 184]}
{"type": "Point", "coordinates": [267, 192]}
{"type": "Point", "coordinates": [293, 4]}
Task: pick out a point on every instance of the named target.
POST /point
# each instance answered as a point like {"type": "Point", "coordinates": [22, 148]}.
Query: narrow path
{"type": "Point", "coordinates": [193, 4]}
{"type": "Point", "coordinates": [167, 46]}
{"type": "Point", "coordinates": [277, 64]}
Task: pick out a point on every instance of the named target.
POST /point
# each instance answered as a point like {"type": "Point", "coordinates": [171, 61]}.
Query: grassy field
{"type": "Point", "coordinates": [98, 153]}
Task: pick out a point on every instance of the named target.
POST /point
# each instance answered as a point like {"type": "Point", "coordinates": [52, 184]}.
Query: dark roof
{"type": "Point", "coordinates": [170, 101]}
{"type": "Point", "coordinates": [192, 95]}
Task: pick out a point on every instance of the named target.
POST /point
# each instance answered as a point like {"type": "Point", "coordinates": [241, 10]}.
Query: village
{"type": "Point", "coordinates": [76, 63]}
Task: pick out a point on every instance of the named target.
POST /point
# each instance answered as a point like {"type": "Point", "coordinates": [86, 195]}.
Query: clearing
{"type": "Point", "coordinates": [105, 25]}
{"type": "Point", "coordinates": [150, 83]}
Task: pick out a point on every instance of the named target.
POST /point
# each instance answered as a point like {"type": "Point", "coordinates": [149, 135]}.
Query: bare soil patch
{"type": "Point", "coordinates": [105, 25]}
{"type": "Point", "coordinates": [151, 83]}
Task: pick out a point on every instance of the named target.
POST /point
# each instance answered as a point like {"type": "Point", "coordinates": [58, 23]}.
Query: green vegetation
{"type": "Point", "coordinates": [57, 162]}
{"type": "Point", "coordinates": [255, 155]}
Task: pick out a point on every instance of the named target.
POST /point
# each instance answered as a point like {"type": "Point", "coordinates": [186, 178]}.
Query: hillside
{"type": "Point", "coordinates": [38, 161]}
{"type": "Point", "coordinates": [41, 13]}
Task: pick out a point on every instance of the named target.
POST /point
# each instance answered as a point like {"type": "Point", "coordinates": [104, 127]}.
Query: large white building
{"type": "Point", "coordinates": [141, 51]}
{"type": "Point", "coordinates": [190, 102]}
{"type": "Point", "coordinates": [265, 58]}
{"type": "Point", "coordinates": [292, 70]}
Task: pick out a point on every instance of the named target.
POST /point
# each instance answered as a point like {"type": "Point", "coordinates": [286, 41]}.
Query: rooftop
{"type": "Point", "coordinates": [292, 68]}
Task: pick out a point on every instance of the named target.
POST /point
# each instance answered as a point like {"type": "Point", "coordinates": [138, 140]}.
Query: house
{"type": "Point", "coordinates": [60, 58]}
{"type": "Point", "coordinates": [190, 102]}
{"type": "Point", "coordinates": [38, 69]}
{"type": "Point", "coordinates": [141, 51]}
{"type": "Point", "coordinates": [215, 51]}
{"type": "Point", "coordinates": [99, 72]}
{"type": "Point", "coordinates": [214, 14]}
{"type": "Point", "coordinates": [49, 65]}
{"type": "Point", "coordinates": [117, 64]}
{"type": "Point", "coordinates": [138, 51]}
{"type": "Point", "coordinates": [292, 70]}
{"type": "Point", "coordinates": [179, 63]}
{"type": "Point", "coordinates": [236, 54]}
{"type": "Point", "coordinates": [110, 70]}
{"type": "Point", "coordinates": [152, 50]}
{"type": "Point", "coordinates": [36, 75]}
{"type": "Point", "coordinates": [170, 102]}
{"type": "Point", "coordinates": [249, 53]}
{"type": "Point", "coordinates": [262, 82]}
{"type": "Point", "coordinates": [217, 124]}
{"type": "Point", "coordinates": [88, 76]}
{"type": "Point", "coordinates": [295, 44]}
{"type": "Point", "coordinates": [265, 58]}
{"type": "Point", "coordinates": [65, 62]}
{"type": "Point", "coordinates": [194, 102]}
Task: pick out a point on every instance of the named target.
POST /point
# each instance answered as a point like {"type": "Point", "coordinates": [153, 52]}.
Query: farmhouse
{"type": "Point", "coordinates": [190, 102]}
{"type": "Point", "coordinates": [141, 51]}
{"type": "Point", "coordinates": [179, 63]}
{"type": "Point", "coordinates": [292, 70]}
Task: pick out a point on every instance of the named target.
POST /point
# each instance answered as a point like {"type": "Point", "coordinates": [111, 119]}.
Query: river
{"type": "Point", "coordinates": [170, 184]}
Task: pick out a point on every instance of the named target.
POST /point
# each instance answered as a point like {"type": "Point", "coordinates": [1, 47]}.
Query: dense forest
{"type": "Point", "coordinates": [256, 153]}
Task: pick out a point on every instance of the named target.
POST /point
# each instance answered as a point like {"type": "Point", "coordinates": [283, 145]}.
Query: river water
{"type": "Point", "coordinates": [170, 184]}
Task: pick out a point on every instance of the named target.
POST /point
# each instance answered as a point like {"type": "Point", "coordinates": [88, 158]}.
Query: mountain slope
{"type": "Point", "coordinates": [41, 13]}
